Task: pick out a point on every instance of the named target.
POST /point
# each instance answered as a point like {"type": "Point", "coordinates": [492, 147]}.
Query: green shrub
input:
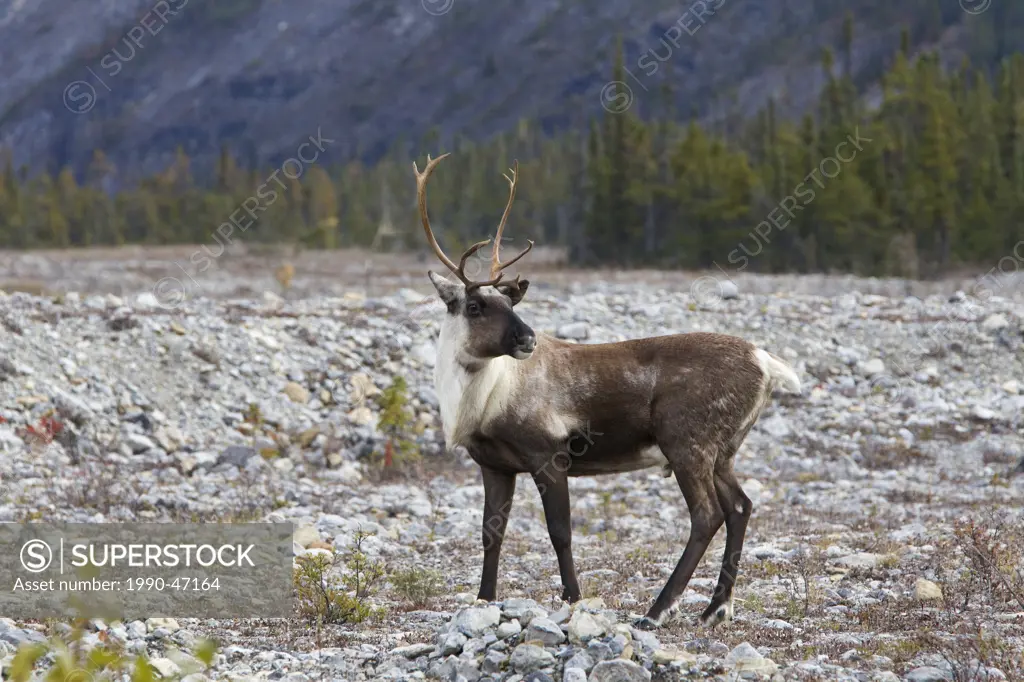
{"type": "Point", "coordinates": [396, 423]}
{"type": "Point", "coordinates": [419, 586]}
{"type": "Point", "coordinates": [73, 663]}
{"type": "Point", "coordinates": [322, 603]}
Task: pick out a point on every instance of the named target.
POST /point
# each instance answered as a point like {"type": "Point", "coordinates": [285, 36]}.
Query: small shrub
{"type": "Point", "coordinates": [804, 595]}
{"type": "Point", "coordinates": [418, 586]}
{"type": "Point", "coordinates": [396, 423]}
{"type": "Point", "coordinates": [254, 417]}
{"type": "Point", "coordinates": [43, 432]}
{"type": "Point", "coordinates": [321, 602]}
{"type": "Point", "coordinates": [971, 655]}
{"type": "Point", "coordinates": [992, 547]}
{"type": "Point", "coordinates": [362, 574]}
{"type": "Point", "coordinates": [284, 276]}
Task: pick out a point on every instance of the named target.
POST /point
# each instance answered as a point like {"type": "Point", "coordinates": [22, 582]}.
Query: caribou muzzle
{"type": "Point", "coordinates": [521, 339]}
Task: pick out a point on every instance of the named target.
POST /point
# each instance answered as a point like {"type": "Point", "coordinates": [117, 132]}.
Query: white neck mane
{"type": "Point", "coordinates": [469, 400]}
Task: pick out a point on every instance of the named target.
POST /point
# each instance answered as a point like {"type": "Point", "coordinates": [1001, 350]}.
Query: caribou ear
{"type": "Point", "coordinates": [515, 290]}
{"type": "Point", "coordinates": [450, 292]}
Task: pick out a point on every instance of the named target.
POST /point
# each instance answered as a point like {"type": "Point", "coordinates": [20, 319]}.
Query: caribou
{"type": "Point", "coordinates": [520, 402]}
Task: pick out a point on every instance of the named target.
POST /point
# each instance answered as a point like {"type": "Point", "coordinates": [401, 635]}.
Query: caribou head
{"type": "Point", "coordinates": [481, 321]}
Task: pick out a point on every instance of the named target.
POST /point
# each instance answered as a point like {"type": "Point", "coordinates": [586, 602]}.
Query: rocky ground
{"type": "Point", "coordinates": [885, 543]}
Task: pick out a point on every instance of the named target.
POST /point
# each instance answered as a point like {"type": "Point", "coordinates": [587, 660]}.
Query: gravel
{"type": "Point", "coordinates": [911, 421]}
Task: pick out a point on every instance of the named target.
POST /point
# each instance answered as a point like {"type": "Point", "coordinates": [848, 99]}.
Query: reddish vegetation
{"type": "Point", "coordinates": [44, 431]}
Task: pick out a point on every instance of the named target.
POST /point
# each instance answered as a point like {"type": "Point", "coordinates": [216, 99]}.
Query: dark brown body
{"type": "Point", "coordinates": [623, 396]}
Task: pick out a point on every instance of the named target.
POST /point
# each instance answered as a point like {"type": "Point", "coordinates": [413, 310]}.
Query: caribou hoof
{"type": "Point", "coordinates": [646, 623]}
{"type": "Point", "coordinates": [722, 614]}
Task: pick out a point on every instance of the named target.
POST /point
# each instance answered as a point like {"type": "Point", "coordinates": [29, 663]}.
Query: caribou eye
{"type": "Point", "coordinates": [473, 309]}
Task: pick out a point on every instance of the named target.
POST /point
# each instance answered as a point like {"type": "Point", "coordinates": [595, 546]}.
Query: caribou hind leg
{"type": "Point", "coordinates": [737, 507]}
{"type": "Point", "coordinates": [695, 476]}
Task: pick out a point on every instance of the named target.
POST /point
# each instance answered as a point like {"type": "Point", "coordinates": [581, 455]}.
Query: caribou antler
{"type": "Point", "coordinates": [421, 198]}
{"type": "Point", "coordinates": [496, 265]}
{"type": "Point", "coordinates": [460, 270]}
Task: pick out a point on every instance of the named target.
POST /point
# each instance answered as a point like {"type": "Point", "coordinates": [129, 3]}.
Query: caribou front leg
{"type": "Point", "coordinates": [499, 488]}
{"type": "Point", "coordinates": [554, 495]}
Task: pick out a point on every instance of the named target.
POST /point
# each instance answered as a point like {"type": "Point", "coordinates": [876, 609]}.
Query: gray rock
{"type": "Point", "coordinates": [577, 331]}
{"type": "Point", "coordinates": [860, 560]}
{"type": "Point", "coordinates": [994, 323]}
{"type": "Point", "coordinates": [17, 636]}
{"type": "Point", "coordinates": [599, 651]}
{"type": "Point", "coordinates": [147, 301]}
{"type": "Point", "coordinates": [585, 626]}
{"type": "Point", "coordinates": [165, 667]}
{"type": "Point", "coordinates": [745, 658]}
{"type": "Point", "coordinates": [618, 644]}
{"type": "Point", "coordinates": [413, 650]}
{"type": "Point", "coordinates": [137, 629]}
{"type": "Point", "coordinates": [509, 629]}
{"type": "Point", "coordinates": [544, 630]}
{"type": "Point", "coordinates": [618, 671]}
{"type": "Point", "coordinates": [536, 612]}
{"type": "Point", "coordinates": [427, 396]}
{"type": "Point", "coordinates": [452, 643]}
{"type": "Point", "coordinates": [529, 657]}
{"type": "Point", "coordinates": [982, 413]}
{"type": "Point", "coordinates": [474, 620]}
{"type": "Point", "coordinates": [474, 646]}
{"type": "Point", "coordinates": [71, 407]}
{"type": "Point", "coordinates": [927, 674]}
{"type": "Point", "coordinates": [574, 675]}
{"type": "Point", "coordinates": [9, 440]}
{"type": "Point", "coordinates": [139, 443]}
{"type": "Point", "coordinates": [453, 668]}
{"type": "Point", "coordinates": [493, 662]}
{"type": "Point", "coordinates": [727, 290]}
{"type": "Point", "coordinates": [581, 660]}
{"type": "Point", "coordinates": [647, 639]}
{"type": "Point", "coordinates": [776, 426]}
{"type": "Point", "coordinates": [538, 676]}
{"type": "Point", "coordinates": [236, 455]}
{"type": "Point", "coordinates": [871, 368]}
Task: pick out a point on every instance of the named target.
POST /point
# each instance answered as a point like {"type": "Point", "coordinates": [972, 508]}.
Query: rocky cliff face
{"type": "Point", "coordinates": [139, 78]}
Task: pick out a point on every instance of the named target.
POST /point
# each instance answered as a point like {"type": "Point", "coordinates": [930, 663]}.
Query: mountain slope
{"type": "Point", "coordinates": [137, 79]}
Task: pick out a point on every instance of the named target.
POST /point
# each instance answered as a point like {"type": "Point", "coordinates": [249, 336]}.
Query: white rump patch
{"type": "Point", "coordinates": [778, 373]}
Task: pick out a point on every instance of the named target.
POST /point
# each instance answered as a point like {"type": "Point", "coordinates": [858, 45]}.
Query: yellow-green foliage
{"type": "Point", "coordinates": [418, 586]}
{"type": "Point", "coordinates": [396, 423]}
{"type": "Point", "coordinates": [254, 417]}
{"type": "Point", "coordinates": [322, 603]}
{"type": "Point", "coordinates": [284, 276]}
{"type": "Point", "coordinates": [319, 602]}
{"type": "Point", "coordinates": [73, 662]}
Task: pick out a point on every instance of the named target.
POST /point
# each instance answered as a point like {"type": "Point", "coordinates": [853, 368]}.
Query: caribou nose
{"type": "Point", "coordinates": [526, 341]}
